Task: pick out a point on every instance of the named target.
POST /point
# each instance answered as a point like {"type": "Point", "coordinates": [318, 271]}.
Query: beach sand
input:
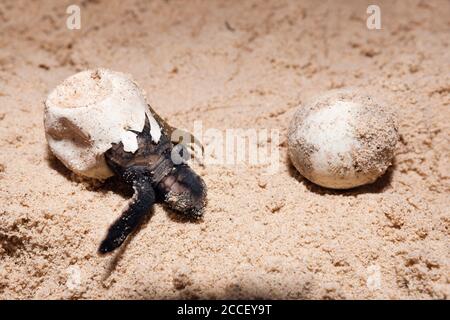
{"type": "Point", "coordinates": [230, 64]}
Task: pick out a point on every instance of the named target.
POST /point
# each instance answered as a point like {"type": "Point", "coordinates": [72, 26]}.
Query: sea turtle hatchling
{"type": "Point", "coordinates": [98, 124]}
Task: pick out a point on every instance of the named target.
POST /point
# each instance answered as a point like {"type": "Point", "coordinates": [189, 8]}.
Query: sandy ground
{"type": "Point", "coordinates": [231, 64]}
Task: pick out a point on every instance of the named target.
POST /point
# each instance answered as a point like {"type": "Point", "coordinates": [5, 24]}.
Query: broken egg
{"type": "Point", "coordinates": [88, 112]}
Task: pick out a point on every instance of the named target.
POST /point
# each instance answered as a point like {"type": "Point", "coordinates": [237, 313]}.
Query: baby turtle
{"type": "Point", "coordinates": [156, 174]}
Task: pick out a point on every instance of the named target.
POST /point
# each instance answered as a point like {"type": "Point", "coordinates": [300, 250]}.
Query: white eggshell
{"type": "Point", "coordinates": [88, 112]}
{"type": "Point", "coordinates": [342, 140]}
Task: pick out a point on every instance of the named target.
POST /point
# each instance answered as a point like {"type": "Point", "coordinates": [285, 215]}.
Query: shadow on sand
{"type": "Point", "coordinates": [380, 185]}
{"type": "Point", "coordinates": [114, 184]}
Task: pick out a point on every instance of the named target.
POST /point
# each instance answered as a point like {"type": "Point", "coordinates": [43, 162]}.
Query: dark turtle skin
{"type": "Point", "coordinates": [155, 177]}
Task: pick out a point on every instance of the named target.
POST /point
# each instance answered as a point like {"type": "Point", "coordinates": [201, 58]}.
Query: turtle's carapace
{"type": "Point", "coordinates": [153, 174]}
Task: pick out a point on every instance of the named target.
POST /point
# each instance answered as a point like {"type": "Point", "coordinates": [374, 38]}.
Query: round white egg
{"type": "Point", "coordinates": [342, 139]}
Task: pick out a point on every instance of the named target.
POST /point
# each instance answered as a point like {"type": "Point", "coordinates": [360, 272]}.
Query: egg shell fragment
{"type": "Point", "coordinates": [88, 112]}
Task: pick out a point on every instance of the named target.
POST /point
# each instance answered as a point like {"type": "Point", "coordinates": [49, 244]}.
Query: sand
{"type": "Point", "coordinates": [230, 64]}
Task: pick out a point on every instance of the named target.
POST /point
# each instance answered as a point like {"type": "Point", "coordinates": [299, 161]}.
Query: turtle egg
{"type": "Point", "coordinates": [88, 112]}
{"type": "Point", "coordinates": [342, 139]}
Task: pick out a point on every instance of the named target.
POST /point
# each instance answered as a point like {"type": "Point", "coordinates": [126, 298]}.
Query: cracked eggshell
{"type": "Point", "coordinates": [88, 112]}
{"type": "Point", "coordinates": [342, 139]}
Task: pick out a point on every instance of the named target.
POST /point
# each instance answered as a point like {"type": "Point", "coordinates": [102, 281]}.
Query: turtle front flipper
{"type": "Point", "coordinates": [143, 198]}
{"type": "Point", "coordinates": [177, 136]}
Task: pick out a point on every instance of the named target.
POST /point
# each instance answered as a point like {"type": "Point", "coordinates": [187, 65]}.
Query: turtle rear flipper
{"type": "Point", "coordinates": [143, 198]}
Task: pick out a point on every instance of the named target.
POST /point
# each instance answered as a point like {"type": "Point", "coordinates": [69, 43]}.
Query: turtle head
{"type": "Point", "coordinates": [184, 191]}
